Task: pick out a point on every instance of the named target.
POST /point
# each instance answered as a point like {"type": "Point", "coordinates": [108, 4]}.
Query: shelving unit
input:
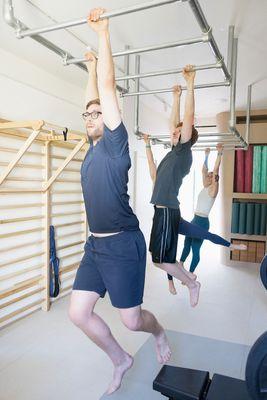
{"type": "Point", "coordinates": [258, 135]}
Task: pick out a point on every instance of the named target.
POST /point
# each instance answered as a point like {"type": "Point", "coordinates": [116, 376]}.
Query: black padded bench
{"type": "Point", "coordinates": [178, 383]}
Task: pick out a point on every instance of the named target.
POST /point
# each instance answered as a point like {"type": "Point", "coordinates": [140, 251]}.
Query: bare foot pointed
{"type": "Point", "coordinates": [194, 290]}
{"type": "Point", "coordinates": [118, 374]}
{"type": "Point", "coordinates": [172, 288]}
{"type": "Point", "coordinates": [162, 347]}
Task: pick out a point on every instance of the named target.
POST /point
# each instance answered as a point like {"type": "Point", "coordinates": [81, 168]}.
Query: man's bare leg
{"type": "Point", "coordinates": [172, 288]}
{"type": "Point", "coordinates": [137, 319]}
{"type": "Point", "coordinates": [190, 275]}
{"type": "Point", "coordinates": [178, 273]}
{"type": "Point", "coordinates": [82, 314]}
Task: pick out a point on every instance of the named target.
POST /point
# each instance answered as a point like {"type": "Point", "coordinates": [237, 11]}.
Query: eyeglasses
{"type": "Point", "coordinates": [93, 115]}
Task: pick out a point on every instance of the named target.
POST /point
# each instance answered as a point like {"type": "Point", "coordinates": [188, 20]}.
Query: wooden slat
{"type": "Point", "coordinates": [19, 311]}
{"type": "Point", "coordinates": [19, 287]}
{"type": "Point", "coordinates": [13, 150]}
{"type": "Point", "coordinates": [47, 209]}
{"type": "Point", "coordinates": [68, 234]}
{"type": "Point", "coordinates": [68, 268]}
{"type": "Point", "coordinates": [20, 272]}
{"type": "Point", "coordinates": [22, 205]}
{"type": "Point", "coordinates": [56, 215]}
{"type": "Point", "coordinates": [23, 165]}
{"type": "Point", "coordinates": [18, 156]}
{"type": "Point", "coordinates": [16, 260]}
{"type": "Point", "coordinates": [69, 245]}
{"type": "Point", "coordinates": [19, 298]}
{"type": "Point", "coordinates": [77, 148]}
{"type": "Point", "coordinates": [18, 233]}
{"type": "Point", "coordinates": [34, 124]}
{"type": "Point", "coordinates": [18, 246]}
{"type": "Point", "coordinates": [21, 219]}
{"type": "Point", "coordinates": [68, 224]}
{"type": "Point", "coordinates": [71, 255]}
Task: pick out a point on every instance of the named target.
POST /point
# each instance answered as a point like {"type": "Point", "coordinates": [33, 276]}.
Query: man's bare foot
{"type": "Point", "coordinates": [119, 372]}
{"type": "Point", "coordinates": [172, 287]}
{"type": "Point", "coordinates": [194, 289]}
{"type": "Point", "coordinates": [238, 247]}
{"type": "Point", "coordinates": [162, 347]}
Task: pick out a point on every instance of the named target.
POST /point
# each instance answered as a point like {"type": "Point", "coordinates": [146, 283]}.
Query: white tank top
{"type": "Point", "coordinates": [204, 203]}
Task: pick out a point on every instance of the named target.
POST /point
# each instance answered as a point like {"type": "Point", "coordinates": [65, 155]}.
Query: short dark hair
{"type": "Point", "coordinates": [95, 101]}
{"type": "Point", "coordinates": [194, 136]}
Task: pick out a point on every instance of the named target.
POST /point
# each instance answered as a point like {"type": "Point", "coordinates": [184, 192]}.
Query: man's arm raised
{"type": "Point", "coordinates": [105, 70]}
{"type": "Point", "coordinates": [175, 118]}
{"type": "Point", "coordinates": [150, 158]}
{"type": "Point", "coordinates": [91, 88]}
{"type": "Point", "coordinates": [189, 113]}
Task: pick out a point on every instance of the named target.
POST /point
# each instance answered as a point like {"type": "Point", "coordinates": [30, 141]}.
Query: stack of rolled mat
{"type": "Point", "coordinates": [249, 218]}
{"type": "Point", "coordinates": [251, 170]}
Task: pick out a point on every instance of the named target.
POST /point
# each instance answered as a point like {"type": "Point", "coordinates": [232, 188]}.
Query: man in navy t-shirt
{"type": "Point", "coordinates": [115, 253]}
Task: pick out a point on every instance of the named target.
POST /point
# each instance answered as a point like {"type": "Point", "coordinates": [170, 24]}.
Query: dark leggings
{"type": "Point", "coordinates": [195, 233]}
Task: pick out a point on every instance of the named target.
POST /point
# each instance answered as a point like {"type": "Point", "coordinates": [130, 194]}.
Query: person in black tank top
{"type": "Point", "coordinates": [114, 260]}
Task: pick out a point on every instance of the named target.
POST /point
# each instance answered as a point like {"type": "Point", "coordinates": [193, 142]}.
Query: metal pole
{"type": "Point", "coordinates": [81, 21]}
{"type": "Point", "coordinates": [231, 32]}
{"type": "Point", "coordinates": [232, 121]}
{"type": "Point", "coordinates": [9, 18]}
{"type": "Point", "coordinates": [146, 49]}
{"type": "Point", "coordinates": [204, 26]}
{"type": "Point", "coordinates": [167, 72]}
{"type": "Point", "coordinates": [127, 69]}
{"type": "Point", "coordinates": [137, 88]}
{"type": "Point", "coordinates": [211, 135]}
{"type": "Point", "coordinates": [206, 85]}
{"type": "Point", "coordinates": [247, 136]}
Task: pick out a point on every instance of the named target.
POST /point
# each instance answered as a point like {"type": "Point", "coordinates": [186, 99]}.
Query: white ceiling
{"type": "Point", "coordinates": [164, 24]}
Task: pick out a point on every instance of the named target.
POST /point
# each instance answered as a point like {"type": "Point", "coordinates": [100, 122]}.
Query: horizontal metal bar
{"type": "Point", "coordinates": [211, 135]}
{"type": "Point", "coordinates": [214, 148]}
{"type": "Point", "coordinates": [206, 29]}
{"type": "Point", "coordinates": [81, 21]}
{"type": "Point", "coordinates": [200, 39]}
{"type": "Point", "coordinates": [169, 90]}
{"type": "Point", "coordinates": [167, 72]}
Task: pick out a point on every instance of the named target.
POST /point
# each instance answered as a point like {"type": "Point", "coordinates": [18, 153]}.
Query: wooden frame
{"type": "Point", "coordinates": [44, 134]}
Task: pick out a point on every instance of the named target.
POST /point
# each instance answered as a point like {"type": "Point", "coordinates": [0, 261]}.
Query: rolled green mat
{"type": "Point", "coordinates": [242, 218]}
{"type": "Point", "coordinates": [256, 180]}
{"type": "Point", "coordinates": [235, 217]}
{"type": "Point", "coordinates": [250, 218]}
{"type": "Point", "coordinates": [257, 219]}
{"type": "Point", "coordinates": [263, 230]}
{"type": "Point", "coordinates": [263, 187]}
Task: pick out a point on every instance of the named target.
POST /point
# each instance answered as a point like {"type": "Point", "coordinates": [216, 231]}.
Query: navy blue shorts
{"type": "Point", "coordinates": [115, 264]}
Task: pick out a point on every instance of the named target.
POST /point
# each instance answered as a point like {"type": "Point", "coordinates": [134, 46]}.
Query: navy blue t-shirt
{"type": "Point", "coordinates": [104, 176]}
{"type": "Point", "coordinates": [170, 174]}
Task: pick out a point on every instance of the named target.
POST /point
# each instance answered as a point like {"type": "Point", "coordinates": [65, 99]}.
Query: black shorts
{"type": "Point", "coordinates": [164, 235]}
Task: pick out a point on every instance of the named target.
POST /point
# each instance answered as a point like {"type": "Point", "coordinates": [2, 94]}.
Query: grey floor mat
{"type": "Point", "coordinates": [187, 351]}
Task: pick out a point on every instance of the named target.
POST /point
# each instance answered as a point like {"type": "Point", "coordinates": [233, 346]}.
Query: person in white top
{"type": "Point", "coordinates": [206, 199]}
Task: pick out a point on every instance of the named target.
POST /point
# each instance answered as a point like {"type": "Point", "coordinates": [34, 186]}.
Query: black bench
{"type": "Point", "coordinates": [178, 383]}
